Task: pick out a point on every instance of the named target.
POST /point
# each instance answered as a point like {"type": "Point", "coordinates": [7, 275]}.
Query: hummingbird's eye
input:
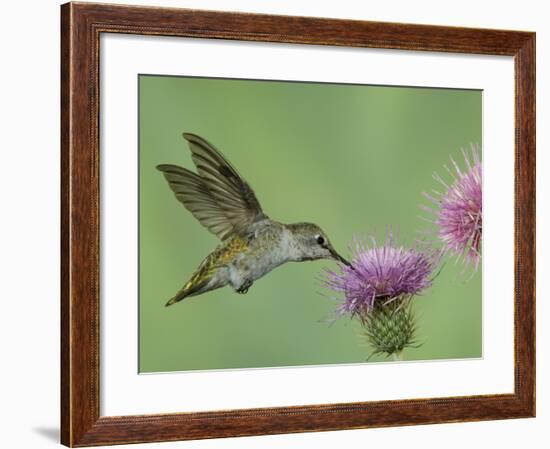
{"type": "Point", "coordinates": [320, 240]}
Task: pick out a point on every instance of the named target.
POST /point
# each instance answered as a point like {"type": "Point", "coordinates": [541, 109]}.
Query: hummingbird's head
{"type": "Point", "coordinates": [311, 243]}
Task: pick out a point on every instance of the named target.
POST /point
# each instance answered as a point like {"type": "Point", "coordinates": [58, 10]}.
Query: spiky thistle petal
{"type": "Point", "coordinates": [382, 272]}
{"type": "Point", "coordinates": [459, 208]}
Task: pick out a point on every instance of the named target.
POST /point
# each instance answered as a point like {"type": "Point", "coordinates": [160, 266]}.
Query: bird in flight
{"type": "Point", "coordinates": [252, 243]}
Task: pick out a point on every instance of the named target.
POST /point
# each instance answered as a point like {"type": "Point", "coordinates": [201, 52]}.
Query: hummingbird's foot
{"type": "Point", "coordinates": [244, 287]}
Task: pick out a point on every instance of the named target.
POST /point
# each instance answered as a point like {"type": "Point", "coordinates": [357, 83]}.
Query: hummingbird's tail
{"type": "Point", "coordinates": [175, 299]}
{"type": "Point", "coordinates": [186, 291]}
{"type": "Point", "coordinates": [203, 280]}
{"type": "Point", "coordinates": [194, 287]}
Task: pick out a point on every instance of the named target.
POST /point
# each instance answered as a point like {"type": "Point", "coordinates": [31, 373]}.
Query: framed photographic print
{"type": "Point", "coordinates": [269, 222]}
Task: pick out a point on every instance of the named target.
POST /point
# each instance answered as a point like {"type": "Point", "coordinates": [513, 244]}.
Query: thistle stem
{"type": "Point", "coordinates": [397, 356]}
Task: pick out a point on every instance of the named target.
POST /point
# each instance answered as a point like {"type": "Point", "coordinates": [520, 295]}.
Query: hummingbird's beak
{"type": "Point", "coordinates": [339, 258]}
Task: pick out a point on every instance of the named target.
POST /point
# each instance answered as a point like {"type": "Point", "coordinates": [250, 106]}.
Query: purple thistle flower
{"type": "Point", "coordinates": [459, 209]}
{"type": "Point", "coordinates": [382, 273]}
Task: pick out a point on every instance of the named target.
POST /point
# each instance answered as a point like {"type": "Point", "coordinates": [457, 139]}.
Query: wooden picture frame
{"type": "Point", "coordinates": [81, 27]}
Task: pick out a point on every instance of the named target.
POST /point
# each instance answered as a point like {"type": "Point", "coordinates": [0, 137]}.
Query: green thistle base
{"type": "Point", "coordinates": [390, 327]}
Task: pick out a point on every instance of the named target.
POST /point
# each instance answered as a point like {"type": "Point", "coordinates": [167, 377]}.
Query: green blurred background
{"type": "Point", "coordinates": [350, 158]}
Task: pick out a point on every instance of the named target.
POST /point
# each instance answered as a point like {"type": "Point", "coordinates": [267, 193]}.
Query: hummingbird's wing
{"type": "Point", "coordinates": [218, 197]}
{"type": "Point", "coordinates": [192, 192]}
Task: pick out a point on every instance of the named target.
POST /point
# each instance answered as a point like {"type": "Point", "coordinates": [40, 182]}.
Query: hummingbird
{"type": "Point", "coordinates": [252, 244]}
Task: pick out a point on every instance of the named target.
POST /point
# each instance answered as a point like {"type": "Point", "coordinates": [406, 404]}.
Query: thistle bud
{"type": "Point", "coordinates": [390, 327]}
